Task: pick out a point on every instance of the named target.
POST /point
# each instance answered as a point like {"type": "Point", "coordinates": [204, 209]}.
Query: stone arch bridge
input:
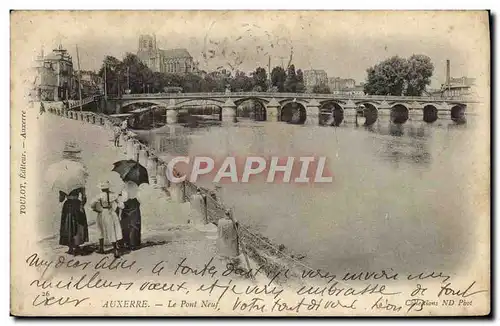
{"type": "Point", "coordinates": [308, 108]}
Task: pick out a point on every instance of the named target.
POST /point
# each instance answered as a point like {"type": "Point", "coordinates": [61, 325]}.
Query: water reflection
{"type": "Point", "coordinates": [408, 142]}
{"type": "Point", "coordinates": [171, 139]}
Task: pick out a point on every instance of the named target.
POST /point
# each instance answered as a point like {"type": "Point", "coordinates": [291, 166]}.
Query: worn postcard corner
{"type": "Point", "coordinates": [250, 163]}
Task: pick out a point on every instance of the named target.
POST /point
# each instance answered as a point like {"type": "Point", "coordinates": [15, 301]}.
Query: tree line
{"type": "Point", "coordinates": [393, 76]}
{"type": "Point", "coordinates": [131, 73]}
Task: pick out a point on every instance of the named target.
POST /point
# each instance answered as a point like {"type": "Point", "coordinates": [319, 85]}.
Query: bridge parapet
{"type": "Point", "coordinates": [306, 96]}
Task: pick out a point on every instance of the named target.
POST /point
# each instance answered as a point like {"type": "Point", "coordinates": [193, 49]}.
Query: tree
{"type": "Point", "coordinates": [158, 81]}
{"type": "Point", "coordinates": [208, 84]}
{"type": "Point", "coordinates": [278, 77]}
{"type": "Point", "coordinates": [114, 76]}
{"type": "Point", "coordinates": [241, 82]}
{"type": "Point", "coordinates": [173, 80]}
{"type": "Point", "coordinates": [192, 83]}
{"type": "Point", "coordinates": [301, 88]}
{"type": "Point", "coordinates": [259, 78]}
{"type": "Point", "coordinates": [399, 76]}
{"type": "Point", "coordinates": [219, 80]}
{"type": "Point", "coordinates": [139, 74]}
{"type": "Point", "coordinates": [387, 77]}
{"type": "Point", "coordinates": [147, 79]}
{"type": "Point", "coordinates": [291, 80]}
{"type": "Point", "coordinates": [419, 73]}
{"type": "Point", "coordinates": [321, 89]}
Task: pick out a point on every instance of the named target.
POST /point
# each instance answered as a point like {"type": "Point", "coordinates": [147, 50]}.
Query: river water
{"type": "Point", "coordinates": [397, 200]}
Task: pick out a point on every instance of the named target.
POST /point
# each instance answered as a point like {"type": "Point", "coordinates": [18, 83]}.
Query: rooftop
{"type": "Point", "coordinates": [316, 71]}
{"type": "Point", "coordinates": [339, 78]}
{"type": "Point", "coordinates": [57, 54]}
{"type": "Point", "coordinates": [463, 81]}
{"type": "Point", "coordinates": [176, 53]}
{"type": "Point", "coordinates": [455, 86]}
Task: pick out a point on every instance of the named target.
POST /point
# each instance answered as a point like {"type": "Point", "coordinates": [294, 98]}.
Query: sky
{"type": "Point", "coordinates": [343, 43]}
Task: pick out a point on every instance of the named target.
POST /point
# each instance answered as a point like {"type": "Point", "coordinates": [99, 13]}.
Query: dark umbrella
{"type": "Point", "coordinates": [130, 170]}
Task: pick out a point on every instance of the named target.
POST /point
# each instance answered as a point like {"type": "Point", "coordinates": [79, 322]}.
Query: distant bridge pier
{"type": "Point", "coordinates": [416, 115]}
{"type": "Point", "coordinates": [312, 113]}
{"type": "Point", "coordinates": [229, 112]}
{"type": "Point", "coordinates": [172, 113]}
{"type": "Point", "coordinates": [415, 112]}
{"type": "Point", "coordinates": [172, 116]}
{"type": "Point", "coordinates": [350, 116]}
{"type": "Point", "coordinates": [350, 113]}
{"type": "Point", "coordinates": [384, 112]}
{"type": "Point", "coordinates": [443, 113]}
{"type": "Point", "coordinates": [119, 107]}
{"type": "Point", "coordinates": [272, 110]}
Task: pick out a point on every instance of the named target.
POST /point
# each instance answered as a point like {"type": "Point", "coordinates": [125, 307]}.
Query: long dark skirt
{"type": "Point", "coordinates": [74, 228]}
{"type": "Point", "coordinates": [131, 223]}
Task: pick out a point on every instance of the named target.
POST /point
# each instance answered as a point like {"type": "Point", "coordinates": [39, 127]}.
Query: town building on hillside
{"type": "Point", "coordinates": [359, 90]}
{"type": "Point", "coordinates": [91, 83]}
{"type": "Point", "coordinates": [463, 81]}
{"type": "Point", "coordinates": [314, 77]}
{"type": "Point", "coordinates": [174, 61]}
{"type": "Point", "coordinates": [356, 90]}
{"type": "Point", "coordinates": [345, 86]}
{"type": "Point", "coordinates": [337, 83]}
{"type": "Point", "coordinates": [55, 79]}
{"type": "Point", "coordinates": [462, 86]}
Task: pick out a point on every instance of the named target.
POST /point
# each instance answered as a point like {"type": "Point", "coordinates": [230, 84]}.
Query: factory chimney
{"type": "Point", "coordinates": [448, 75]}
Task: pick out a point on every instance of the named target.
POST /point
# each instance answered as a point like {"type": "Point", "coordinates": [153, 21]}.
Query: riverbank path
{"type": "Point", "coordinates": [165, 231]}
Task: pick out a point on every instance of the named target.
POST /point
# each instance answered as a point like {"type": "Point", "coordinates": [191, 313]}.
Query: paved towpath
{"type": "Point", "coordinates": [164, 223]}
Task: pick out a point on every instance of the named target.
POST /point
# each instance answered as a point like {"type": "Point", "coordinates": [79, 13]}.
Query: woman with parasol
{"type": "Point", "coordinates": [106, 204]}
{"type": "Point", "coordinates": [69, 176]}
{"type": "Point", "coordinates": [133, 174]}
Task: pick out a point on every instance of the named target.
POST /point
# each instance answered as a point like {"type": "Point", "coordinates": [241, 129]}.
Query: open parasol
{"type": "Point", "coordinates": [130, 170]}
{"type": "Point", "coordinates": [66, 176]}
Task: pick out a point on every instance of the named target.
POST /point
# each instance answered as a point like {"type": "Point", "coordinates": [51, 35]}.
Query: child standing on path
{"type": "Point", "coordinates": [108, 223]}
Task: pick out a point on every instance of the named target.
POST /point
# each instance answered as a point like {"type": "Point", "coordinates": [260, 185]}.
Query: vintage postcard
{"type": "Point", "coordinates": [250, 163]}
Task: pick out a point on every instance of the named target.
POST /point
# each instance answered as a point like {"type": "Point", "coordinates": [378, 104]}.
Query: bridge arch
{"type": "Point", "coordinates": [370, 112]}
{"type": "Point", "coordinates": [145, 101]}
{"type": "Point", "coordinates": [331, 113]}
{"type": "Point", "coordinates": [153, 115]}
{"type": "Point", "coordinates": [430, 112]}
{"type": "Point", "coordinates": [293, 112]}
{"type": "Point", "coordinates": [286, 101]}
{"type": "Point", "coordinates": [240, 100]}
{"type": "Point", "coordinates": [457, 113]}
{"type": "Point", "coordinates": [256, 110]}
{"type": "Point", "coordinates": [199, 101]}
{"type": "Point", "coordinates": [192, 111]}
{"type": "Point", "coordinates": [399, 113]}
{"type": "Point", "coordinates": [370, 101]}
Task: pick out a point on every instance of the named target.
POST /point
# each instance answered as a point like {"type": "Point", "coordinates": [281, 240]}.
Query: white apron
{"type": "Point", "coordinates": [108, 222]}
